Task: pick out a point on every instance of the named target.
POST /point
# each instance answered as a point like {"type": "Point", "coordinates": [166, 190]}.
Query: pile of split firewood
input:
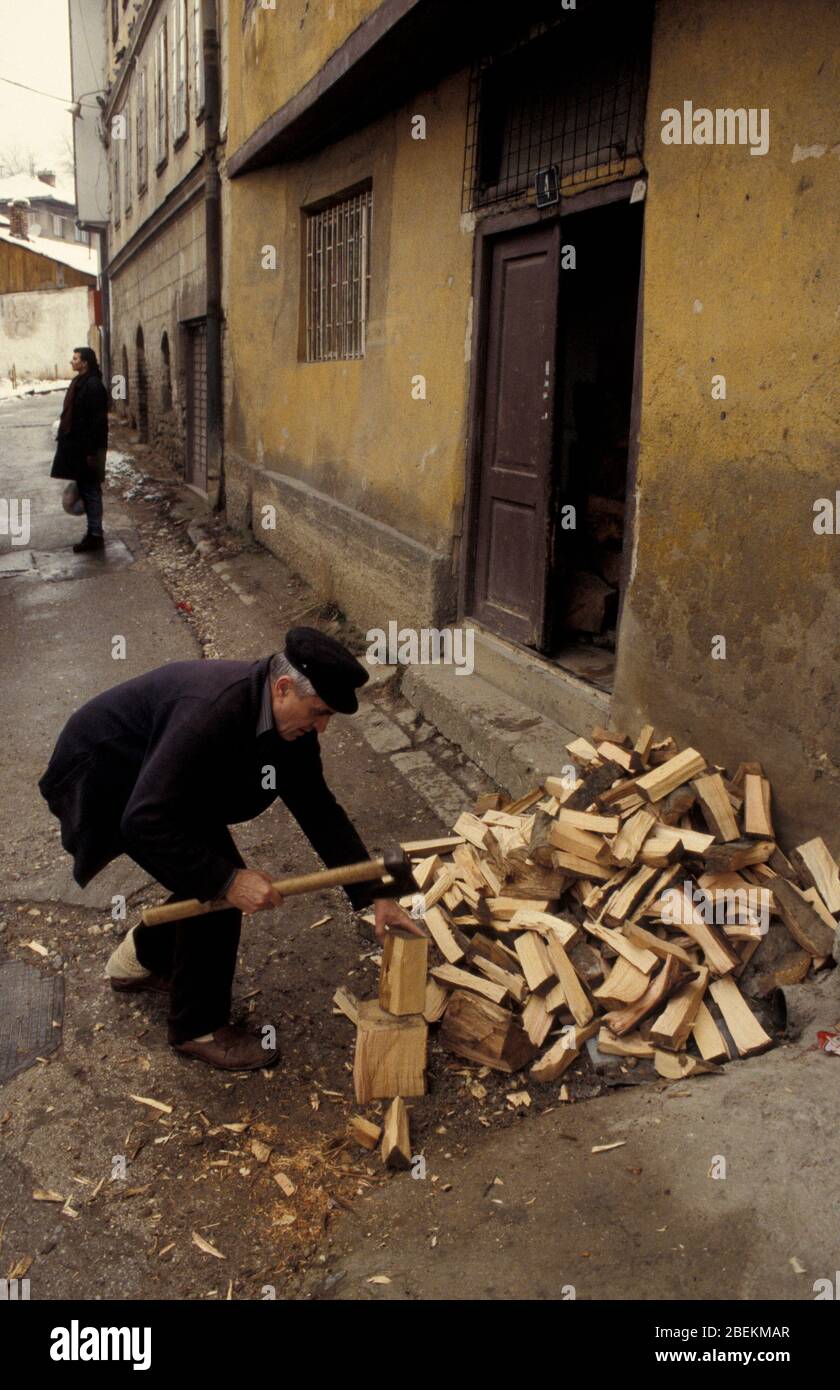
{"type": "Point", "coordinates": [622, 901]}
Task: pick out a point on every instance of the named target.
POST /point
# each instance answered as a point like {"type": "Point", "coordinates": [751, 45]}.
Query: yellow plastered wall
{"type": "Point", "coordinates": [275, 52]}
{"type": "Point", "coordinates": [742, 264]}
{"type": "Point", "coordinates": [351, 429]}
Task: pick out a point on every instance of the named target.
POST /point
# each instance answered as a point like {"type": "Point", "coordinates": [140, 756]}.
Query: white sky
{"type": "Point", "coordinates": [36, 51]}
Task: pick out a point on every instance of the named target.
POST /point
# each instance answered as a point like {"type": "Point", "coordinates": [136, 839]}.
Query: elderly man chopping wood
{"type": "Point", "coordinates": [160, 766]}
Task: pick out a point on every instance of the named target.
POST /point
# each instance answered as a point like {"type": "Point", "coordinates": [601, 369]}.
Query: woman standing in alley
{"type": "Point", "coordinates": [83, 442]}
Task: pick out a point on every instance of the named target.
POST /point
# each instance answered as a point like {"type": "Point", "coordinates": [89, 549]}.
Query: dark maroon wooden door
{"type": "Point", "coordinates": [512, 544]}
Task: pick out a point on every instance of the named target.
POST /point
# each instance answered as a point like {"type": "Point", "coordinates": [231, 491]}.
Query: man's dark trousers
{"type": "Point", "coordinates": [198, 956]}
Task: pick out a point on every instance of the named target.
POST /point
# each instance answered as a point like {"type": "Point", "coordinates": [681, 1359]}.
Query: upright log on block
{"type": "Point", "coordinates": [390, 1055]}
{"type": "Point", "coordinates": [485, 1032]}
{"type": "Point", "coordinates": [402, 979]}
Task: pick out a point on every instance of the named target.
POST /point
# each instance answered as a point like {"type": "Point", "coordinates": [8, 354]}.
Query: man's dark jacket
{"type": "Point", "coordinates": [157, 767]}
{"type": "Point", "coordinates": [88, 434]}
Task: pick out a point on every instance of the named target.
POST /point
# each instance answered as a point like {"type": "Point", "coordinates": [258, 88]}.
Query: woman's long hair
{"type": "Point", "coordinates": [88, 355]}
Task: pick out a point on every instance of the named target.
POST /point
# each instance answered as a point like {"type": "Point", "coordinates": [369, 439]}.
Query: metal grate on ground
{"type": "Point", "coordinates": [31, 1016]}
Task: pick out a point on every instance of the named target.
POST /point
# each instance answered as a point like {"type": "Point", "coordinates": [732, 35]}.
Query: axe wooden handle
{"type": "Point", "coordinates": [287, 887]}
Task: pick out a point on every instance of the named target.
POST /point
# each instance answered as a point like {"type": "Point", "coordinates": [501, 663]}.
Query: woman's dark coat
{"type": "Point", "coordinates": [159, 766]}
{"type": "Point", "coordinates": [88, 435]}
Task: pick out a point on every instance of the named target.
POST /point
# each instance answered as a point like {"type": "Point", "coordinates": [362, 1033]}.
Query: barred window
{"type": "Point", "coordinates": [142, 148]}
{"type": "Point", "coordinates": [569, 91]}
{"type": "Point", "coordinates": [197, 58]}
{"type": "Point", "coordinates": [337, 272]}
{"type": "Point", "coordinates": [116, 170]}
{"type": "Point", "coordinates": [179, 70]}
{"type": "Point", "coordinates": [127, 152]}
{"type": "Point", "coordinates": [160, 95]}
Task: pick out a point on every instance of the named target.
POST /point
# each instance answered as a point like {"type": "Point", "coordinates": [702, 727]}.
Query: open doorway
{"type": "Point", "coordinates": [596, 345]}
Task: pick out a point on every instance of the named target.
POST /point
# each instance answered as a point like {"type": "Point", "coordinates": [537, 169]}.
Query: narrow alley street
{"type": "Point", "coordinates": [130, 1172]}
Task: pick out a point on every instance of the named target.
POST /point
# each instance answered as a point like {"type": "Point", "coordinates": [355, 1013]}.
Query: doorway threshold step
{"type": "Point", "coordinates": [514, 745]}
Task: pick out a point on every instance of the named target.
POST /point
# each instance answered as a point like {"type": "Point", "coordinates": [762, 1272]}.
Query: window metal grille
{"type": "Point", "coordinates": [338, 278]}
{"type": "Point", "coordinates": [142, 127]}
{"type": "Point", "coordinates": [127, 156]}
{"type": "Point", "coordinates": [197, 57]}
{"type": "Point", "coordinates": [160, 94]}
{"type": "Point", "coordinates": [179, 69]}
{"type": "Point", "coordinates": [569, 91]}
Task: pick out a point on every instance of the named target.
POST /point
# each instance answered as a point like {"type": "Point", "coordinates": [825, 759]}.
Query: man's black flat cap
{"type": "Point", "coordinates": [334, 672]}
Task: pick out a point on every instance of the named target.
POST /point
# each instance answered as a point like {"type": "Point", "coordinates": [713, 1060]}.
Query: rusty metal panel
{"type": "Point", "coordinates": [196, 469]}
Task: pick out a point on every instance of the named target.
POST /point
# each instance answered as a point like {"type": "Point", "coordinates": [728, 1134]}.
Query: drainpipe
{"type": "Point", "coordinates": [105, 296]}
{"type": "Point", "coordinates": [213, 253]}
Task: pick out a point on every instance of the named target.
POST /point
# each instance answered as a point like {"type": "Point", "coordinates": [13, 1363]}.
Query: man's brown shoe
{"type": "Point", "coordinates": [231, 1049]}
{"type": "Point", "coordinates": [154, 982]}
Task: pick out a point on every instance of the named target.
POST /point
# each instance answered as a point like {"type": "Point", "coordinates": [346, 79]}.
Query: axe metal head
{"type": "Point", "coordinates": [401, 878]}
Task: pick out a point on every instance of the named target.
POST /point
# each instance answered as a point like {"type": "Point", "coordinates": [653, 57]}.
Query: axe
{"type": "Point", "coordinates": [392, 871]}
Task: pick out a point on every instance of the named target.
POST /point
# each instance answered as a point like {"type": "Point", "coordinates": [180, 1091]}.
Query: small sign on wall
{"type": "Point", "coordinates": [548, 186]}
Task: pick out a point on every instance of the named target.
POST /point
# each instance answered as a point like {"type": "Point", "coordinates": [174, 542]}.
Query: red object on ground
{"type": "Point", "coordinates": [829, 1042]}
{"type": "Point", "coordinates": [184, 606]}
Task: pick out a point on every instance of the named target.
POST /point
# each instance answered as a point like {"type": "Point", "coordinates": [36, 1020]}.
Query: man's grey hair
{"type": "Point", "coordinates": [282, 666]}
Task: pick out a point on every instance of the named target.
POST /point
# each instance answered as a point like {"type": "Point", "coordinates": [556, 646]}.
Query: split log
{"type": "Point", "coordinates": [496, 951]}
{"type": "Point", "coordinates": [577, 1000]}
{"type": "Point", "coordinates": [594, 784]}
{"type": "Point", "coordinates": [529, 920]}
{"type": "Point", "coordinates": [583, 751]}
{"type": "Point", "coordinates": [435, 1001]}
{"type": "Point", "coordinates": [738, 854]}
{"type": "Point", "coordinates": [644, 742]}
{"type": "Point", "coordinates": [471, 828]}
{"type": "Point", "coordinates": [514, 985]}
{"type": "Point", "coordinates": [629, 840]}
{"type": "Point", "coordinates": [627, 758]}
{"type": "Point", "coordinates": [708, 1037]}
{"type": "Point", "coordinates": [677, 804]}
{"type": "Point", "coordinates": [757, 807]}
{"type": "Point", "coordinates": [562, 1054]}
{"type": "Point", "coordinates": [718, 955]}
{"type": "Point", "coordinates": [747, 1033]}
{"type": "Point", "coordinates": [452, 978]}
{"type": "Point", "coordinates": [402, 978]}
{"type": "Point", "coordinates": [714, 804]}
{"type": "Point", "coordinates": [661, 987]}
{"type": "Point", "coordinates": [643, 960]}
{"type": "Point", "coordinates": [425, 871]}
{"type": "Point", "coordinates": [581, 843]}
{"type": "Point", "coordinates": [442, 845]}
{"type": "Point", "coordinates": [672, 1027]}
{"type": "Point", "coordinates": [537, 1019]}
{"type": "Point", "coordinates": [534, 959]}
{"type": "Point", "coordinates": [632, 1045]}
{"type": "Point", "coordinates": [678, 1066]}
{"type": "Point", "coordinates": [452, 946]}
{"type": "Point", "coordinates": [364, 1132]}
{"type": "Point", "coordinates": [588, 820]}
{"type": "Point", "coordinates": [683, 767]}
{"type": "Point", "coordinates": [623, 901]}
{"type": "Point", "coordinates": [346, 1001]}
{"type": "Point", "coordinates": [390, 1055]}
{"type": "Point", "coordinates": [624, 985]}
{"type": "Point", "coordinates": [819, 870]}
{"type": "Point", "coordinates": [484, 1032]}
{"type": "Point", "coordinates": [396, 1140]}
{"type": "Point", "coordinates": [804, 924]}
{"type": "Point", "coordinates": [660, 946]}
